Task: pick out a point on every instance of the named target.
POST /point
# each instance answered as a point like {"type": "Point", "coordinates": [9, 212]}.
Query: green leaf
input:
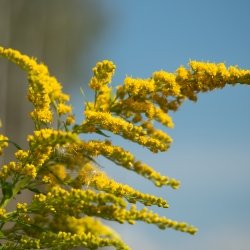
{"type": "Point", "coordinates": [98, 131]}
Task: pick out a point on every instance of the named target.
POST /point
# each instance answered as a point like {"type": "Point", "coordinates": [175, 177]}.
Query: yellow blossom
{"type": "Point", "coordinates": [22, 207]}
{"type": "Point", "coordinates": [29, 170]}
{"type": "Point", "coordinates": [22, 155]}
{"type": "Point", "coordinates": [43, 88]}
{"type": "Point", "coordinates": [101, 182]}
{"type": "Point", "coordinates": [121, 157]}
{"type": "Point", "coordinates": [51, 137]}
{"type": "Point", "coordinates": [63, 109]}
{"type": "Point", "coordinates": [2, 213]}
{"type": "Point", "coordinates": [126, 129]}
{"type": "Point", "coordinates": [103, 72]}
{"type": "Point", "coordinates": [139, 87]}
{"type": "Point", "coordinates": [166, 83]}
{"type": "Point", "coordinates": [3, 143]}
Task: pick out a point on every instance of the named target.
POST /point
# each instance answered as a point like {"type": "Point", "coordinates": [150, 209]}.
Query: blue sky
{"type": "Point", "coordinates": [211, 149]}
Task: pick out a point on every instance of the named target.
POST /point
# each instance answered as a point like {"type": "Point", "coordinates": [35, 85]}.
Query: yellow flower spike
{"type": "Point", "coordinates": [89, 225]}
{"type": "Point", "coordinates": [78, 198]}
{"type": "Point", "coordinates": [126, 129]}
{"type": "Point", "coordinates": [144, 106]}
{"type": "Point", "coordinates": [163, 118]}
{"type": "Point", "coordinates": [51, 137]}
{"type": "Point", "coordinates": [102, 182]}
{"type": "Point", "coordinates": [161, 136]}
{"type": "Point", "coordinates": [105, 148]}
{"type": "Point", "coordinates": [208, 76]}
{"type": "Point", "coordinates": [86, 240]}
{"type": "Point", "coordinates": [158, 179]}
{"type": "Point", "coordinates": [121, 157]}
{"type": "Point", "coordinates": [43, 88]}
{"type": "Point", "coordinates": [121, 215]}
{"type": "Point", "coordinates": [161, 222]}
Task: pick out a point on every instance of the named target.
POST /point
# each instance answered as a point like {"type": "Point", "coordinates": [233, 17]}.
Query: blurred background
{"type": "Point", "coordinates": [211, 149]}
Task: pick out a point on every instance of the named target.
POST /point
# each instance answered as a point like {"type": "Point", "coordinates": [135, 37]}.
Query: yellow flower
{"type": "Point", "coordinates": [126, 129]}
{"type": "Point", "coordinates": [103, 99]}
{"type": "Point", "coordinates": [103, 72]}
{"type": "Point", "coordinates": [2, 213]}
{"type": "Point", "coordinates": [121, 157]}
{"type": "Point", "coordinates": [139, 87]}
{"type": "Point", "coordinates": [29, 170]}
{"type": "Point", "coordinates": [63, 109]}
{"type": "Point", "coordinates": [3, 143]}
{"type": "Point", "coordinates": [22, 155]}
{"type": "Point", "coordinates": [100, 181]}
{"type": "Point", "coordinates": [43, 88]}
{"type": "Point", "coordinates": [51, 137]}
{"type": "Point", "coordinates": [43, 115]}
{"type": "Point", "coordinates": [166, 83]}
{"type": "Point", "coordinates": [22, 207]}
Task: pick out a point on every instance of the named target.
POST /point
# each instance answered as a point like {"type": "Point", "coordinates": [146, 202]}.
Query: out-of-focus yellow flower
{"type": "Point", "coordinates": [3, 143]}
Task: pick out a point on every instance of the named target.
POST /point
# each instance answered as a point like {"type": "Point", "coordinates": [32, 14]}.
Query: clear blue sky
{"type": "Point", "coordinates": [211, 149]}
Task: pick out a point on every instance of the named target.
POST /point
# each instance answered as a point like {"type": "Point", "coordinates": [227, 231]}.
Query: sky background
{"type": "Point", "coordinates": [211, 149]}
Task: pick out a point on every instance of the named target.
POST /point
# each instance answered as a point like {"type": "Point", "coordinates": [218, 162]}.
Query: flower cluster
{"type": "Point", "coordinates": [72, 195]}
{"type": "Point", "coordinates": [44, 91]}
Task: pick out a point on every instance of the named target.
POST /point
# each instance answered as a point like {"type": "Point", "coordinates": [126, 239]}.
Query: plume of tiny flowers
{"type": "Point", "coordinates": [102, 182]}
{"type": "Point", "coordinates": [43, 91]}
{"type": "Point", "coordinates": [72, 196]}
{"type": "Point", "coordinates": [123, 158]}
{"type": "Point", "coordinates": [105, 121]}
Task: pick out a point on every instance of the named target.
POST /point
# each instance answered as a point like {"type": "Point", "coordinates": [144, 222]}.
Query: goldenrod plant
{"type": "Point", "coordinates": [72, 195]}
